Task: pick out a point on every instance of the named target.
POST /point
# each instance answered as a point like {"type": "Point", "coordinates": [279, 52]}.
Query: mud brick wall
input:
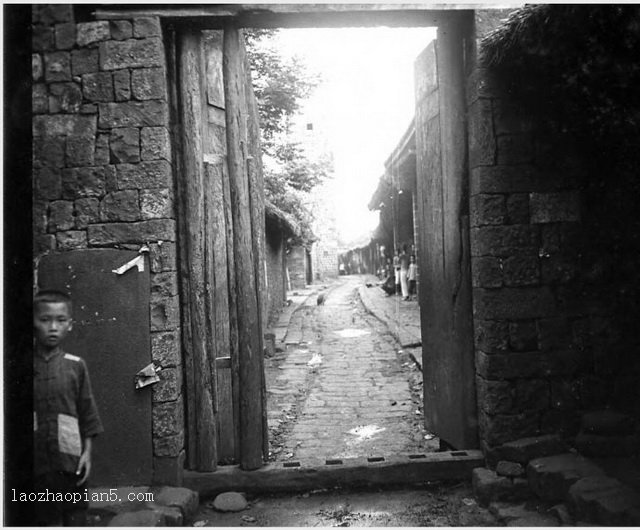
{"type": "Point", "coordinates": [276, 290]}
{"type": "Point", "coordinates": [296, 265]}
{"type": "Point", "coordinates": [543, 314]}
{"type": "Point", "coordinates": [102, 172]}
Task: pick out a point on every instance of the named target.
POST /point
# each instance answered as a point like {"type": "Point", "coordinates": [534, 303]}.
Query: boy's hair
{"type": "Point", "coordinates": [52, 296]}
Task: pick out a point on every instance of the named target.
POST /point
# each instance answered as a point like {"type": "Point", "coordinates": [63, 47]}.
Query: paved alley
{"type": "Point", "coordinates": [341, 386]}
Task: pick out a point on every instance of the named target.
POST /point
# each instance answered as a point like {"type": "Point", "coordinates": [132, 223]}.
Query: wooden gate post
{"type": "Point", "coordinates": [246, 255]}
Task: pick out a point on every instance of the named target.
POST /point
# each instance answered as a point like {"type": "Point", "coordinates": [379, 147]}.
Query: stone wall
{"type": "Point", "coordinates": [296, 261]}
{"type": "Point", "coordinates": [276, 291]}
{"type": "Point", "coordinates": [102, 173]}
{"type": "Point", "coordinates": [542, 305]}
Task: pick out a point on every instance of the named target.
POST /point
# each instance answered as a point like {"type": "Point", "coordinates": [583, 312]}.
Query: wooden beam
{"type": "Point", "coordinates": [191, 202]}
{"type": "Point", "coordinates": [248, 307]}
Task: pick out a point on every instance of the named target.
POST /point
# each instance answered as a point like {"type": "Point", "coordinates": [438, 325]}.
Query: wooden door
{"type": "Point", "coordinates": [221, 234]}
{"type": "Point", "coordinates": [444, 258]}
{"type": "Point", "coordinates": [111, 332]}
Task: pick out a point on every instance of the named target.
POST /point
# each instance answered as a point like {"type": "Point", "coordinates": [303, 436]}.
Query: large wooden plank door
{"type": "Point", "coordinates": [221, 224]}
{"type": "Point", "coordinates": [111, 332]}
{"type": "Point", "coordinates": [445, 267]}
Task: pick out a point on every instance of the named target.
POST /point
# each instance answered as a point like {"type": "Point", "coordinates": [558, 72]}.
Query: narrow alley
{"type": "Point", "coordinates": [340, 386]}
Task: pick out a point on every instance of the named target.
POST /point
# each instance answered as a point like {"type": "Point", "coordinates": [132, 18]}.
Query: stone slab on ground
{"type": "Point", "coordinates": [526, 449]}
{"type": "Point", "coordinates": [145, 518]}
{"type": "Point", "coordinates": [230, 501]}
{"type": "Point", "coordinates": [606, 501]}
{"type": "Point", "coordinates": [183, 498]}
{"type": "Point", "coordinates": [551, 477]}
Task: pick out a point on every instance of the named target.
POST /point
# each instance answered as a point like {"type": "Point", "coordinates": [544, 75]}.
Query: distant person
{"type": "Point", "coordinates": [341, 269]}
{"type": "Point", "coordinates": [412, 277]}
{"type": "Point", "coordinates": [65, 417]}
{"type": "Point", "coordinates": [396, 269]}
{"type": "Point", "coordinates": [404, 269]}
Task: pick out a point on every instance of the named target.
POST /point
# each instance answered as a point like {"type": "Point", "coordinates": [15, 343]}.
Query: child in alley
{"type": "Point", "coordinates": [65, 417]}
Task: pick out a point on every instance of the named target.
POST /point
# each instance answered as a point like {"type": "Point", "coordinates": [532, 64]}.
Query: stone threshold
{"type": "Point", "coordinates": [300, 476]}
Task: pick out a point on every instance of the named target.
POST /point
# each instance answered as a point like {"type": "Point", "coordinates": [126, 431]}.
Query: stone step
{"type": "Point", "coordinates": [490, 487]}
{"type": "Point", "coordinates": [551, 477]}
{"type": "Point", "coordinates": [604, 500]}
{"type": "Point", "coordinates": [526, 449]}
{"type": "Point", "coordinates": [608, 422]}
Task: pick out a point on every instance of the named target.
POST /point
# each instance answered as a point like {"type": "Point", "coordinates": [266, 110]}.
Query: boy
{"type": "Point", "coordinates": [413, 276]}
{"type": "Point", "coordinates": [65, 417]}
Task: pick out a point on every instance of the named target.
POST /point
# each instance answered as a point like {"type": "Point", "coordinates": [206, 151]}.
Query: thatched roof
{"type": "Point", "coordinates": [281, 219]}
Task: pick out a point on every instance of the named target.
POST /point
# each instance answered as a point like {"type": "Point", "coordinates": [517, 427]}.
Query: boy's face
{"type": "Point", "coordinates": [51, 323]}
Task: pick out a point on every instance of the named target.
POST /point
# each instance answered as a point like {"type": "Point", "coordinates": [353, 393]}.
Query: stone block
{"type": "Point", "coordinates": [515, 149]}
{"type": "Point", "coordinates": [93, 32]}
{"type": "Point", "coordinates": [132, 114]}
{"type": "Point", "coordinates": [124, 144]}
{"type": "Point", "coordinates": [230, 501]}
{"type": "Point", "coordinates": [165, 314]}
{"type": "Point", "coordinates": [120, 206]}
{"type": "Point", "coordinates": [169, 445]}
{"type": "Point", "coordinates": [37, 68]}
{"type": "Point", "coordinates": [146, 175]}
{"type": "Point", "coordinates": [520, 515]}
{"type": "Point", "coordinates": [487, 210]}
{"type": "Point", "coordinates": [482, 141]}
{"type": "Point", "coordinates": [605, 501]}
{"type": "Point", "coordinates": [517, 208]}
{"type": "Point", "coordinates": [156, 203]}
{"type": "Point", "coordinates": [147, 518]}
{"type": "Point", "coordinates": [64, 97]}
{"type": "Point", "coordinates": [504, 241]}
{"type": "Point", "coordinates": [492, 336]}
{"type": "Point", "coordinates": [523, 336]}
{"type": "Point", "coordinates": [513, 303]}
{"type": "Point", "coordinates": [521, 271]}
{"type": "Point", "coordinates": [168, 418]}
{"type": "Point", "coordinates": [486, 272]}
{"type": "Point", "coordinates": [509, 469]}
{"type": "Point", "coordinates": [84, 61]}
{"type": "Point", "coordinates": [165, 348]}
{"type": "Point", "coordinates": [120, 29]}
{"type": "Point", "coordinates": [607, 421]}
{"type": "Point", "coordinates": [111, 179]}
{"type": "Point", "coordinates": [83, 182]}
{"type": "Point", "coordinates": [87, 212]}
{"type": "Point", "coordinates": [554, 207]}
{"type": "Point", "coordinates": [489, 487]}
{"type": "Point", "coordinates": [140, 232]}
{"type": "Point", "coordinates": [532, 395]}
{"type": "Point", "coordinates": [155, 143]}
{"type": "Point", "coordinates": [599, 445]}
{"type": "Point", "coordinates": [500, 428]}
{"type": "Point", "coordinates": [48, 183]}
{"type": "Point", "coordinates": [554, 333]}
{"type": "Point", "coordinates": [164, 284]}
{"type": "Point", "coordinates": [57, 67]}
{"type": "Point", "coordinates": [163, 257]}
{"type": "Point", "coordinates": [42, 39]}
{"type": "Point", "coordinates": [122, 85]}
{"type": "Point", "coordinates": [148, 83]}
{"type": "Point", "coordinates": [556, 269]}
{"type": "Point", "coordinates": [132, 53]}
{"type": "Point", "coordinates": [169, 387]}
{"type": "Point", "coordinates": [65, 35]}
{"type": "Point", "coordinates": [49, 14]}
{"type": "Point", "coordinates": [44, 243]}
{"type": "Point", "coordinates": [98, 86]}
{"type": "Point", "coordinates": [72, 239]}
{"type": "Point", "coordinates": [528, 364]}
{"type": "Point", "coordinates": [144, 27]}
{"type": "Point", "coordinates": [89, 108]}
{"type": "Point", "coordinates": [48, 151]}
{"type": "Point", "coordinates": [102, 155]}
{"type": "Point", "coordinates": [64, 125]}
{"type": "Point", "coordinates": [39, 216]}
{"type": "Point", "coordinates": [60, 216]}
{"type": "Point", "coordinates": [169, 471]}
{"type": "Point", "coordinates": [39, 99]}
{"type": "Point", "coordinates": [80, 151]}
{"type": "Point", "coordinates": [494, 397]}
{"type": "Point", "coordinates": [551, 477]}
{"type": "Point", "coordinates": [185, 499]}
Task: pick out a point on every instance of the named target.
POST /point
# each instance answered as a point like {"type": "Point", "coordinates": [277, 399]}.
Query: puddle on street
{"type": "Point", "coordinates": [365, 432]}
{"type": "Point", "coordinates": [351, 332]}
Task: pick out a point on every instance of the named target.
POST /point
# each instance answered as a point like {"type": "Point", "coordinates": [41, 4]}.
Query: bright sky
{"type": "Point", "coordinates": [363, 106]}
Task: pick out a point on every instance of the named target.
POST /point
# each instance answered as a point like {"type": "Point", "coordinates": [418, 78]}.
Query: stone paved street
{"type": "Point", "coordinates": [341, 387]}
